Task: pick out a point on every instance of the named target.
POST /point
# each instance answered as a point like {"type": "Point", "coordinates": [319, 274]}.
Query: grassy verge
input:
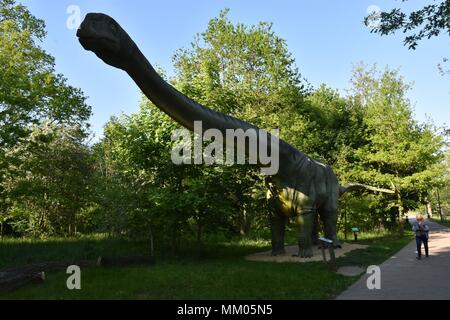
{"type": "Point", "coordinates": [215, 271]}
{"type": "Point", "coordinates": [444, 223]}
{"type": "Point", "coordinates": [380, 248]}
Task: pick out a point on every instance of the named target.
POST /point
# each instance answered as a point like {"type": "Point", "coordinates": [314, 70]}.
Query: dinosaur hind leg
{"type": "Point", "coordinates": [305, 222]}
{"type": "Point", "coordinates": [277, 226]}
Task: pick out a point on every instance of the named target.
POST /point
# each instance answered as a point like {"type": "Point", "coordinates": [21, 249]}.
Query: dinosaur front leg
{"type": "Point", "coordinates": [277, 225]}
{"type": "Point", "coordinates": [305, 223]}
{"type": "Point", "coordinates": [329, 218]}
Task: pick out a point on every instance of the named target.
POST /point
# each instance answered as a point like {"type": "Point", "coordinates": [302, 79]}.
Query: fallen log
{"type": "Point", "coordinates": [49, 266]}
{"type": "Point", "coordinates": [10, 282]}
{"type": "Point", "coordinates": [14, 278]}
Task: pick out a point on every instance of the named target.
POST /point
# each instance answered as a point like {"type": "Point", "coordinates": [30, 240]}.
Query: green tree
{"type": "Point", "coordinates": [335, 125]}
{"type": "Point", "coordinates": [430, 21]}
{"type": "Point", "coordinates": [427, 22]}
{"type": "Point", "coordinates": [400, 152]}
{"type": "Point", "coordinates": [439, 197]}
{"type": "Point", "coordinates": [244, 71]}
{"type": "Point", "coordinates": [143, 190]}
{"type": "Point", "coordinates": [47, 180]}
{"type": "Point", "coordinates": [31, 92]}
{"type": "Point", "coordinates": [247, 72]}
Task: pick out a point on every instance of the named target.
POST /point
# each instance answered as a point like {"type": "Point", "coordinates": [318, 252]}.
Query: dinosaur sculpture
{"type": "Point", "coordinates": [302, 187]}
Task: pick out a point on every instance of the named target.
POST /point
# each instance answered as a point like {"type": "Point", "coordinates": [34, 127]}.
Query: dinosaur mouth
{"type": "Point", "coordinates": [97, 44]}
{"type": "Point", "coordinates": [87, 42]}
{"type": "Point", "coordinates": [92, 44]}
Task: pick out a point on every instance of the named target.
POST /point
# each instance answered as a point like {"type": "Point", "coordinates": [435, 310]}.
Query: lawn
{"type": "Point", "coordinates": [214, 271]}
{"type": "Point", "coordinates": [444, 223]}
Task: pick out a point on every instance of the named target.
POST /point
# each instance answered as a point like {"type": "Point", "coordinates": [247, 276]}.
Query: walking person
{"type": "Point", "coordinates": [420, 227]}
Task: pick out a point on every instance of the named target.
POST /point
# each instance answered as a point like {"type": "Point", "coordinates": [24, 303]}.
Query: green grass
{"type": "Point", "coordinates": [380, 248]}
{"type": "Point", "coordinates": [214, 271]}
{"type": "Point", "coordinates": [444, 223]}
{"type": "Point", "coordinates": [16, 252]}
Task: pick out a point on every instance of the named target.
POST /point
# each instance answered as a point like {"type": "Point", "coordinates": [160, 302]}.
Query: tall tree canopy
{"type": "Point", "coordinates": [240, 70]}
{"type": "Point", "coordinates": [369, 136]}
{"type": "Point", "coordinates": [32, 94]}
{"type": "Point", "coordinates": [245, 71]}
{"type": "Point", "coordinates": [399, 152]}
{"type": "Point", "coordinates": [127, 185]}
{"type": "Point", "coordinates": [30, 89]}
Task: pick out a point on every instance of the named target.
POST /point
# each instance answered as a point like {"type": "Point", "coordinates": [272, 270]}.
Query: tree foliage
{"type": "Point", "coordinates": [52, 182]}
{"type": "Point", "coordinates": [368, 136]}
{"type": "Point", "coordinates": [31, 95]}
{"type": "Point", "coordinates": [399, 152]}
{"type": "Point", "coordinates": [47, 180]}
{"type": "Point", "coordinates": [427, 22]}
{"type": "Point", "coordinates": [30, 90]}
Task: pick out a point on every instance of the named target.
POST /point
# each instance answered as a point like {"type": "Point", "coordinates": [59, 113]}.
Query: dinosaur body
{"type": "Point", "coordinates": [302, 187]}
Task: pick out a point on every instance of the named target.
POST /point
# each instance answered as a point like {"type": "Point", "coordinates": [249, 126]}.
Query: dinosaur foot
{"type": "Point", "coordinates": [304, 253]}
{"type": "Point", "coordinates": [279, 252]}
{"type": "Point", "coordinates": [337, 244]}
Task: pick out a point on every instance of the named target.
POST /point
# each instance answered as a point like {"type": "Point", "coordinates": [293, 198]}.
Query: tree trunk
{"type": "Point", "coordinates": [400, 214]}
{"type": "Point", "coordinates": [401, 223]}
{"type": "Point", "coordinates": [152, 250]}
{"type": "Point", "coordinates": [245, 223]}
{"type": "Point", "coordinates": [345, 224]}
{"type": "Point", "coordinates": [439, 205]}
{"type": "Point", "coordinates": [173, 241]}
{"type": "Point", "coordinates": [199, 231]}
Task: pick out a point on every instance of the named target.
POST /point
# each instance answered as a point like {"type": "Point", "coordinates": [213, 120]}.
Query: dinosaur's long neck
{"type": "Point", "coordinates": [179, 107]}
{"type": "Point", "coordinates": [185, 111]}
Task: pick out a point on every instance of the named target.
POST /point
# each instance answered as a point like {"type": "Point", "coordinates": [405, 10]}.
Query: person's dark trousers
{"type": "Point", "coordinates": [419, 240]}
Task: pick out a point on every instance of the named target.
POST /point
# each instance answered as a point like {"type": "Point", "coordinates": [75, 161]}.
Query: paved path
{"type": "Point", "coordinates": [404, 277]}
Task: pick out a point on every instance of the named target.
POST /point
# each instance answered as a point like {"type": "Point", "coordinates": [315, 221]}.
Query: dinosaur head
{"type": "Point", "coordinates": [102, 35]}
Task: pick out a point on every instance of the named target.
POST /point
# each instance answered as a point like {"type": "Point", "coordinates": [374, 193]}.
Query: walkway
{"type": "Point", "coordinates": [404, 277]}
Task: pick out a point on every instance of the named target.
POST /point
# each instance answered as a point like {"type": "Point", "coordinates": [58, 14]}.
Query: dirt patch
{"type": "Point", "coordinates": [291, 250]}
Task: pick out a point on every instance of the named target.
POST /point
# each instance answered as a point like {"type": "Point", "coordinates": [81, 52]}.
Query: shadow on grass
{"type": "Point", "coordinates": [17, 252]}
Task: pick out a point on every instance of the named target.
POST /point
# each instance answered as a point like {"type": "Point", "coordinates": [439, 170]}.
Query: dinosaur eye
{"type": "Point", "coordinates": [113, 27]}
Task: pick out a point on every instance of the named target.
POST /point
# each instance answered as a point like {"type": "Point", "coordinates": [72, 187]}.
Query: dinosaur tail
{"type": "Point", "coordinates": [356, 186]}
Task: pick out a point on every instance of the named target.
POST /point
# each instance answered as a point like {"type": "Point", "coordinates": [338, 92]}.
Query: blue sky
{"type": "Point", "coordinates": [325, 37]}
